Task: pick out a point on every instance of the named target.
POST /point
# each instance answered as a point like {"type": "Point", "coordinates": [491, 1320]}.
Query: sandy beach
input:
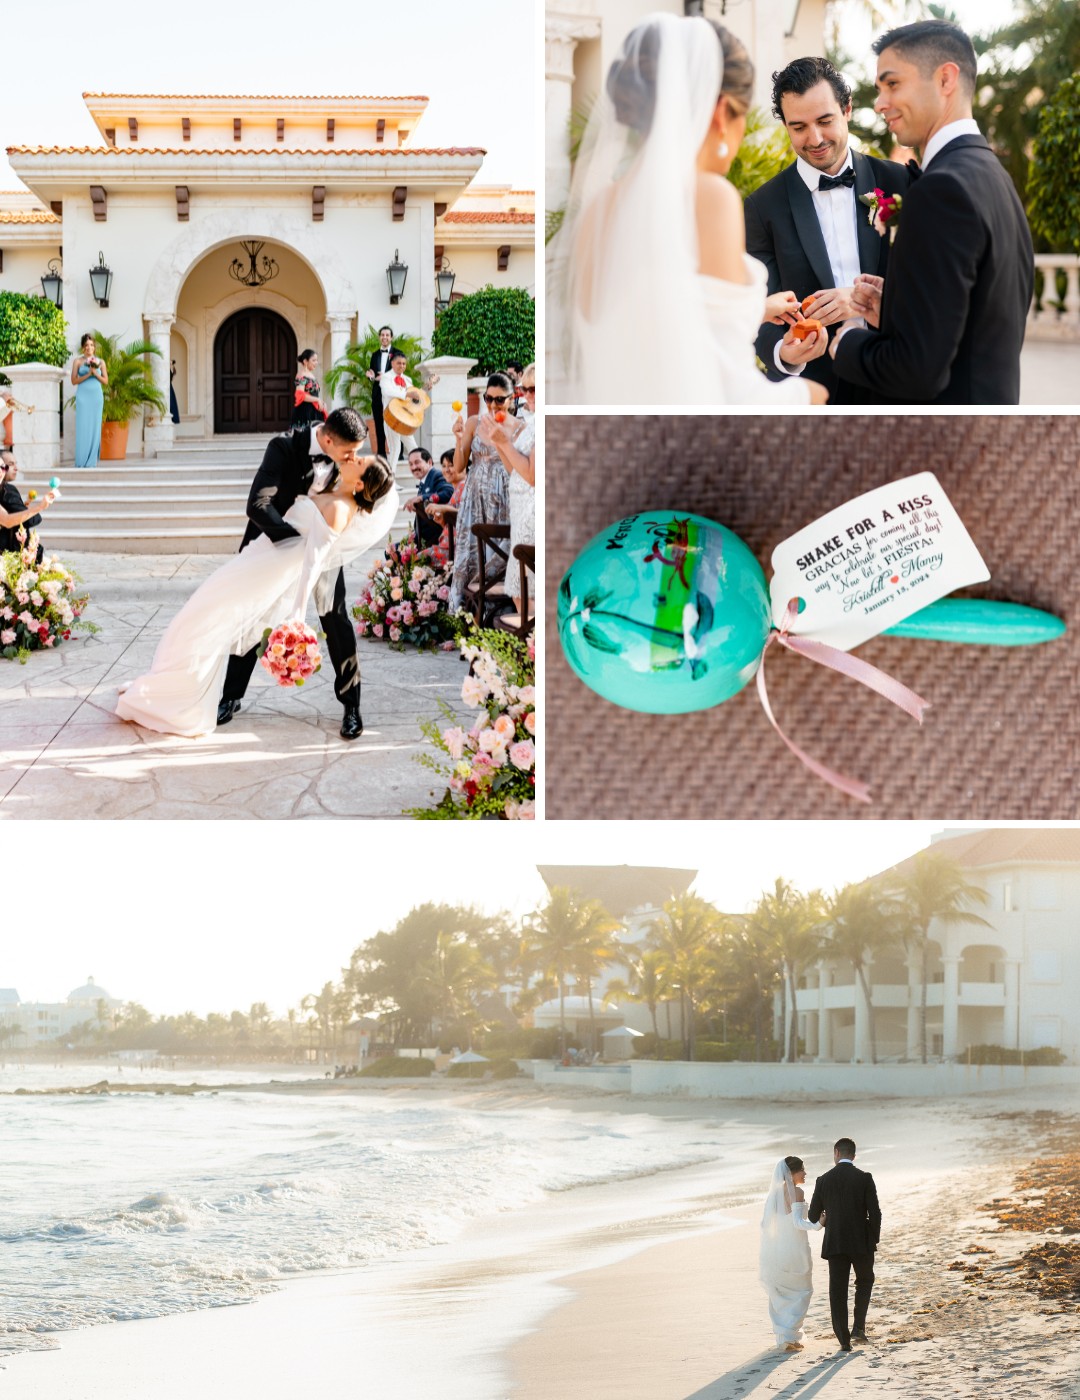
{"type": "Point", "coordinates": [644, 1289]}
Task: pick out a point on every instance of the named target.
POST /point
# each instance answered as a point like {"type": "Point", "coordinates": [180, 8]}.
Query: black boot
{"type": "Point", "coordinates": [352, 726]}
{"type": "Point", "coordinates": [226, 709]}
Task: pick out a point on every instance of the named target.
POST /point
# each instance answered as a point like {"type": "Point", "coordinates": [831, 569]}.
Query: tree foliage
{"type": "Point", "coordinates": [491, 326]}
{"type": "Point", "coordinates": [349, 374]}
{"type": "Point", "coordinates": [1054, 176]}
{"type": "Point", "coordinates": [131, 378]}
{"type": "Point", "coordinates": [32, 330]}
{"type": "Point", "coordinates": [765, 152]}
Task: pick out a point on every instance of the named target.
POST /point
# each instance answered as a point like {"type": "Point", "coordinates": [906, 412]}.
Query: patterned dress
{"type": "Point", "coordinates": [304, 412]}
{"type": "Point", "coordinates": [522, 495]}
{"type": "Point", "coordinates": [485, 501]}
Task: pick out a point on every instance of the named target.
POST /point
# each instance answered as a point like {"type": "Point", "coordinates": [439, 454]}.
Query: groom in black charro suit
{"type": "Point", "coordinates": [947, 325]}
{"type": "Point", "coordinates": [807, 225]}
{"type": "Point", "coordinates": [847, 1197]}
{"type": "Point", "coordinates": [294, 462]}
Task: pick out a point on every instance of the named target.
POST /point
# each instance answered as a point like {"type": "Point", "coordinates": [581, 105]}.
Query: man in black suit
{"type": "Point", "coordinates": [949, 320]}
{"type": "Point", "coordinates": [431, 486]}
{"type": "Point", "coordinates": [848, 1200]}
{"type": "Point", "coordinates": [807, 225]}
{"type": "Point", "coordinates": [307, 456]}
{"type": "Point", "coordinates": [380, 363]}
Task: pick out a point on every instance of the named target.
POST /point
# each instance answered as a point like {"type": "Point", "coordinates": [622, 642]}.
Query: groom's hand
{"type": "Point", "coordinates": [866, 298]}
{"type": "Point", "coordinates": [800, 352]}
{"type": "Point", "coordinates": [831, 305]}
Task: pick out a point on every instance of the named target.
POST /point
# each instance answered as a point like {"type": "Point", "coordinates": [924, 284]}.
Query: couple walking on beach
{"type": "Point", "coordinates": [845, 1206]}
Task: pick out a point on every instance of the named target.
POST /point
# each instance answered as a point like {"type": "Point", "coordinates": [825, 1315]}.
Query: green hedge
{"type": "Point", "coordinates": [998, 1055]}
{"type": "Point", "coordinates": [492, 327]}
{"type": "Point", "coordinates": [1053, 188]}
{"type": "Point", "coordinates": [31, 329]}
{"type": "Point", "coordinates": [495, 1069]}
{"type": "Point", "coordinates": [398, 1067]}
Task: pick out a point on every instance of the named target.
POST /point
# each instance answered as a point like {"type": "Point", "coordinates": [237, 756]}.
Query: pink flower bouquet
{"type": "Point", "coordinates": [40, 604]}
{"type": "Point", "coordinates": [404, 599]}
{"type": "Point", "coordinates": [291, 653]}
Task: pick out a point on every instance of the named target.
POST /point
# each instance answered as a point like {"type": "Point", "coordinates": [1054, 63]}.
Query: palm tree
{"type": "Point", "coordinates": [646, 982]}
{"type": "Point", "coordinates": [131, 378]}
{"type": "Point", "coordinates": [862, 920]}
{"type": "Point", "coordinates": [594, 954]}
{"type": "Point", "coordinates": [932, 886]}
{"type": "Point", "coordinates": [555, 937]}
{"type": "Point", "coordinates": [789, 925]}
{"type": "Point", "coordinates": [349, 374]}
{"type": "Point", "coordinates": [687, 938]}
{"type": "Point", "coordinates": [458, 973]}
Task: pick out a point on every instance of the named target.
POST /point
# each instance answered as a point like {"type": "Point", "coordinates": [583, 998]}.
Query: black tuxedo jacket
{"type": "Point", "coordinates": [956, 298]}
{"type": "Point", "coordinates": [376, 388]}
{"type": "Point", "coordinates": [286, 471]}
{"type": "Point", "coordinates": [782, 231]}
{"type": "Point", "coordinates": [848, 1199]}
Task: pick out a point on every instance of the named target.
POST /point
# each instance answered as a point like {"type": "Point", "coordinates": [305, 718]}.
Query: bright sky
{"type": "Point", "coordinates": [215, 916]}
{"type": "Point", "coordinates": [476, 66]}
{"type": "Point", "coordinates": [977, 17]}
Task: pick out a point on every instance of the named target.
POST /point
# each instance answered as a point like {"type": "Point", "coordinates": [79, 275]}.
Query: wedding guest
{"type": "Point", "coordinates": [436, 511]}
{"type": "Point", "coordinates": [807, 225]}
{"type": "Point", "coordinates": [513, 373]}
{"type": "Point", "coordinates": [485, 499]}
{"type": "Point", "coordinates": [307, 396]}
{"type": "Point", "coordinates": [432, 485]}
{"type": "Point", "coordinates": [89, 375]}
{"type": "Point", "coordinates": [948, 321]}
{"type": "Point", "coordinates": [518, 456]}
{"type": "Point", "coordinates": [14, 513]}
{"type": "Point", "coordinates": [395, 384]}
{"type": "Point", "coordinates": [174, 407]}
{"type": "Point", "coordinates": [379, 364]}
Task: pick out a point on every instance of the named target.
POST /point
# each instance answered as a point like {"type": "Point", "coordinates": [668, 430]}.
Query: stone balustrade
{"type": "Point", "coordinates": [1053, 316]}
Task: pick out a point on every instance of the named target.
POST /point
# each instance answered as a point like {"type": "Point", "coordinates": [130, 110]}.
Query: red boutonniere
{"type": "Point", "coordinates": [884, 211]}
{"type": "Point", "coordinates": [399, 379]}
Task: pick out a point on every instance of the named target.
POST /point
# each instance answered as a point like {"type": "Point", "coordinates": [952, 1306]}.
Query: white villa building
{"type": "Point", "coordinates": [1015, 984]}
{"type": "Point", "coordinates": [25, 1024]}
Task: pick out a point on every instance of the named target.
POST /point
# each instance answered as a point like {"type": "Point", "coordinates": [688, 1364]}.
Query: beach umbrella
{"type": "Point", "coordinates": [470, 1057]}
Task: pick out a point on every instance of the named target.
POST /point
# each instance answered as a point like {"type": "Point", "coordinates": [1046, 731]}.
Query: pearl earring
{"type": "Point", "coordinates": [722, 149]}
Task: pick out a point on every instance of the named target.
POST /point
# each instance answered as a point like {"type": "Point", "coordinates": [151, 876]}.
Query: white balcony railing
{"type": "Point", "coordinates": [1055, 311]}
{"type": "Point", "coordinates": [982, 994]}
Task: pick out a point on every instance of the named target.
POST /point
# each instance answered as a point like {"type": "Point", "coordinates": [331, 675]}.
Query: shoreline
{"type": "Point", "coordinates": [641, 1288]}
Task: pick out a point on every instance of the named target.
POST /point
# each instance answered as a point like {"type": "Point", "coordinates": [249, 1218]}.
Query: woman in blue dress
{"type": "Point", "coordinates": [89, 375]}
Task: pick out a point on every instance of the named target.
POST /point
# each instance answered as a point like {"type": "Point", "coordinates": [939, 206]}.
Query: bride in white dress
{"type": "Point", "coordinates": [786, 1266]}
{"type": "Point", "coordinates": [265, 584]}
{"type": "Point", "coordinates": [662, 302]}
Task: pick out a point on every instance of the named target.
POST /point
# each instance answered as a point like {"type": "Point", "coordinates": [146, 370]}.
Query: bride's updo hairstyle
{"type": "Point", "coordinates": [794, 1164]}
{"type": "Point", "coordinates": [631, 79]}
{"type": "Point", "coordinates": [377, 480]}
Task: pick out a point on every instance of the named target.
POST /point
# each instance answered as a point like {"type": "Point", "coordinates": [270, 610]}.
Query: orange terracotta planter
{"type": "Point", "coordinates": [114, 437]}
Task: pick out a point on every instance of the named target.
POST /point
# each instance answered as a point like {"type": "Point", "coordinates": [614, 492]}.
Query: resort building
{"type": "Point", "coordinates": [1015, 983]}
{"type": "Point", "coordinates": [25, 1024]}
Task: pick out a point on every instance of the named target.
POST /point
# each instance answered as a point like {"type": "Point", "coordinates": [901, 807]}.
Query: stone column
{"type": "Point", "coordinates": [914, 1002]}
{"type": "Point", "coordinates": [861, 1044]}
{"type": "Point", "coordinates": [36, 434]}
{"type": "Point", "coordinates": [340, 323]}
{"type": "Point", "coordinates": [1011, 1037]}
{"type": "Point", "coordinates": [158, 427]}
{"type": "Point", "coordinates": [950, 1008]}
{"type": "Point", "coordinates": [825, 1029]}
{"type": "Point", "coordinates": [561, 35]}
{"type": "Point", "coordinates": [452, 388]}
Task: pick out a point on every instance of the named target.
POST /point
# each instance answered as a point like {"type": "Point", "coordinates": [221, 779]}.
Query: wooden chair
{"type": "Point", "coordinates": [485, 598]}
{"type": "Point", "coordinates": [521, 623]}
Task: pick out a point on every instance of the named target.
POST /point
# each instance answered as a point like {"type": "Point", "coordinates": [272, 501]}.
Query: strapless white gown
{"type": "Point", "coordinates": [735, 313]}
{"type": "Point", "coordinates": [265, 584]}
{"type": "Point", "coordinates": [789, 1279]}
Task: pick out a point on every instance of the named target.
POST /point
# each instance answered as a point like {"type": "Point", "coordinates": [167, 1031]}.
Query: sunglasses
{"type": "Point", "coordinates": [495, 398]}
{"type": "Point", "coordinates": [528, 388]}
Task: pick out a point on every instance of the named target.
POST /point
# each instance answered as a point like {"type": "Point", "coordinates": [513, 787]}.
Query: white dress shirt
{"type": "Point", "coordinates": [966, 126]}
{"type": "Point", "coordinates": [836, 215]}
{"type": "Point", "coordinates": [322, 469]}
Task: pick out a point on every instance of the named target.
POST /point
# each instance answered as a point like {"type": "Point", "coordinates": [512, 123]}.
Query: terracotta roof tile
{"type": "Point", "coordinates": [250, 97]}
{"type": "Point", "coordinates": [1009, 846]}
{"type": "Point", "coordinates": [27, 216]}
{"type": "Point", "coordinates": [232, 151]}
{"type": "Point", "coordinates": [465, 217]}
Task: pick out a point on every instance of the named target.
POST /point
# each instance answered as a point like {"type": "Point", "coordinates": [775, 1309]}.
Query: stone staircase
{"type": "Point", "coordinates": [189, 499]}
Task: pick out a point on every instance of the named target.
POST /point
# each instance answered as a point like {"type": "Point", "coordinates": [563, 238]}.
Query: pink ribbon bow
{"type": "Point", "coordinates": [847, 665]}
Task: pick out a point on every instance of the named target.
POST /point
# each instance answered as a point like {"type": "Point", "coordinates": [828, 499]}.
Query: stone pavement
{"type": "Point", "coordinates": [1050, 373]}
{"type": "Point", "coordinates": [64, 754]}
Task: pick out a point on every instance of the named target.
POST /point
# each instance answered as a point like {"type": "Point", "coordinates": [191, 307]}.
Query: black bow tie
{"type": "Point", "coordinates": [320, 459]}
{"type": "Point", "coordinates": [831, 182]}
{"type": "Point", "coordinates": [914, 169]}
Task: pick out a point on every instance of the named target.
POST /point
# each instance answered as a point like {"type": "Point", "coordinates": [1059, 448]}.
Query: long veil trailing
{"type": "Point", "coordinates": [785, 1266]}
{"type": "Point", "coordinates": [627, 256]}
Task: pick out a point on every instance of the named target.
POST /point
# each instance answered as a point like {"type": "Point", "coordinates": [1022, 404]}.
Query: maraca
{"type": "Point", "coordinates": [457, 405]}
{"type": "Point", "coordinates": [54, 486]}
{"type": "Point", "coordinates": [668, 613]}
{"type": "Point", "coordinates": [500, 416]}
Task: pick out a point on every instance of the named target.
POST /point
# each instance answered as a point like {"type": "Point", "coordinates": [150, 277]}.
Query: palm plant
{"type": "Point", "coordinates": [789, 924]}
{"type": "Point", "coordinates": [131, 378]}
{"type": "Point", "coordinates": [348, 377]}
{"type": "Point", "coordinates": [862, 920]}
{"type": "Point", "coordinates": [932, 886]}
{"type": "Point", "coordinates": [555, 939]}
{"type": "Point", "coordinates": [687, 936]}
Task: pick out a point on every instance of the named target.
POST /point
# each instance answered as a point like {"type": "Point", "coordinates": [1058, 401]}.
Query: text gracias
{"type": "Point", "coordinates": [836, 550]}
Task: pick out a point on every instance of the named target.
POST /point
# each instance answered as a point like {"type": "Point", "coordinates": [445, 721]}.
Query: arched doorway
{"type": "Point", "coordinates": [254, 369]}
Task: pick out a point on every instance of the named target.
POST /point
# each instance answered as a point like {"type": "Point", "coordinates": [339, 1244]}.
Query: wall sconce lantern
{"type": "Point", "coordinates": [52, 284]}
{"type": "Point", "coordinates": [444, 286]}
{"type": "Point", "coordinates": [395, 276]}
{"type": "Point", "coordinates": [101, 281]}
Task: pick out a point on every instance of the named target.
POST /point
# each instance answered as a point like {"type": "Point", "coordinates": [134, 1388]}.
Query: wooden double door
{"type": "Point", "coordinates": [254, 372]}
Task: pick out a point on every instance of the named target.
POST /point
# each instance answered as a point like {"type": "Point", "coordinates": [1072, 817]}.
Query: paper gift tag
{"type": "Point", "coordinates": [874, 561]}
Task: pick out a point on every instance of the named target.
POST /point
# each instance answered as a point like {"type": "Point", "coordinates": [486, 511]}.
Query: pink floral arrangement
{"type": "Point", "coordinates": [291, 653]}
{"type": "Point", "coordinates": [405, 599]}
{"type": "Point", "coordinates": [40, 605]}
{"type": "Point", "coordinates": [884, 211]}
{"type": "Point", "coordinates": [492, 764]}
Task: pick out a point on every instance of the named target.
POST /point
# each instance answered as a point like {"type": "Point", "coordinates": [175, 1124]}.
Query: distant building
{"type": "Point", "coordinates": [1015, 984]}
{"type": "Point", "coordinates": [39, 1022]}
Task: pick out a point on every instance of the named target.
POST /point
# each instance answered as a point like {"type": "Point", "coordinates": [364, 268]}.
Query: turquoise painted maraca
{"type": "Point", "coordinates": [54, 486]}
{"type": "Point", "coordinates": [667, 613]}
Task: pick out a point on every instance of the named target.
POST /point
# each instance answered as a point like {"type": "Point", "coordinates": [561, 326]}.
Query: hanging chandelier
{"type": "Point", "coordinates": [253, 275]}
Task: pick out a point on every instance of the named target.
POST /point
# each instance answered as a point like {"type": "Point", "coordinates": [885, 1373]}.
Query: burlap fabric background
{"type": "Point", "coordinates": [1001, 740]}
